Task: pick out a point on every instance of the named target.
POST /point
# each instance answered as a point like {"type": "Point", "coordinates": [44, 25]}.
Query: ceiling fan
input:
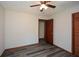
{"type": "Point", "coordinates": [44, 5]}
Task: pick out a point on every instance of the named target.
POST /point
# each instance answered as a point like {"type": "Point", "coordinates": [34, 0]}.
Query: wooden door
{"type": "Point", "coordinates": [75, 32]}
{"type": "Point", "coordinates": [49, 31]}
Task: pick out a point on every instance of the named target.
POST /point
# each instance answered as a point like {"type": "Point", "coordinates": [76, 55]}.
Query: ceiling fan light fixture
{"type": "Point", "coordinates": [43, 6]}
{"type": "Point", "coordinates": [40, 8]}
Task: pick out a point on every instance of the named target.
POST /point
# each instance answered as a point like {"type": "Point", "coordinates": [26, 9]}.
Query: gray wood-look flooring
{"type": "Point", "coordinates": [41, 50]}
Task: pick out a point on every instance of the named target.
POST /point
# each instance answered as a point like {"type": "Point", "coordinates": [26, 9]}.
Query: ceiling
{"type": "Point", "coordinates": [24, 6]}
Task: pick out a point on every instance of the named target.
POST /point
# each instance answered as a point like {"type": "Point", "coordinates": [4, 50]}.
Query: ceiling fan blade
{"type": "Point", "coordinates": [52, 6]}
{"type": "Point", "coordinates": [35, 5]}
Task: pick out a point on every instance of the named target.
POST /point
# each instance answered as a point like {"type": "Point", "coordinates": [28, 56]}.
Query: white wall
{"type": "Point", "coordinates": [41, 29]}
{"type": "Point", "coordinates": [1, 30]}
{"type": "Point", "coordinates": [63, 27]}
{"type": "Point", "coordinates": [20, 29]}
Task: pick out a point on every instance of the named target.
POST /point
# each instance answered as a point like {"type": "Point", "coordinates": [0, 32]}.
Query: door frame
{"type": "Point", "coordinates": [44, 20]}
{"type": "Point", "coordinates": [73, 41]}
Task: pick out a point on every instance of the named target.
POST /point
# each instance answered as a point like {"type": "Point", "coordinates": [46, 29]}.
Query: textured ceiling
{"type": "Point", "coordinates": [24, 6]}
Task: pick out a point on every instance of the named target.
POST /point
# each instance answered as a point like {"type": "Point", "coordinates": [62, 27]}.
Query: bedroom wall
{"type": "Point", "coordinates": [20, 29]}
{"type": "Point", "coordinates": [63, 27]}
{"type": "Point", "coordinates": [1, 29]}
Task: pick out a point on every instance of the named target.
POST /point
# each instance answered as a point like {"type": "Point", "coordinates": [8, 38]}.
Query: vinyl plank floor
{"type": "Point", "coordinates": [43, 50]}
